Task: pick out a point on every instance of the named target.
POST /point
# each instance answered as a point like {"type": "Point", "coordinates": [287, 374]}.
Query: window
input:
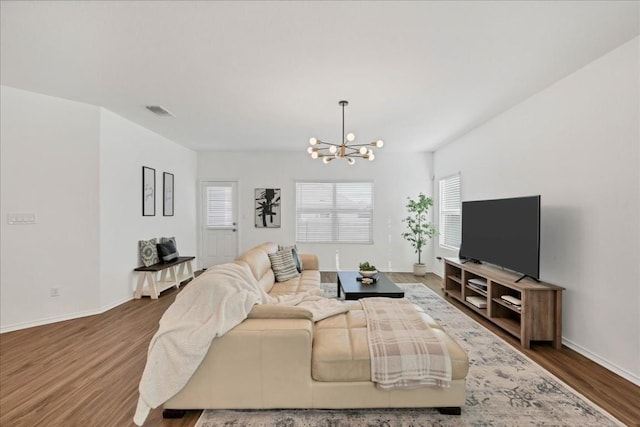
{"type": "Point", "coordinates": [334, 212]}
{"type": "Point", "coordinates": [450, 212]}
{"type": "Point", "coordinates": [219, 206]}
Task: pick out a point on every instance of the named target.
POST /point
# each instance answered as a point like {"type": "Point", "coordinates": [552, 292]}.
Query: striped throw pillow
{"type": "Point", "coordinates": [296, 258]}
{"type": "Point", "coordinates": [283, 265]}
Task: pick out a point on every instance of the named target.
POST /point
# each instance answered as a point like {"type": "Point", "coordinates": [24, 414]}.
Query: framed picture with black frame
{"type": "Point", "coordinates": [267, 208]}
{"type": "Point", "coordinates": [148, 191]}
{"type": "Point", "coordinates": [167, 200]}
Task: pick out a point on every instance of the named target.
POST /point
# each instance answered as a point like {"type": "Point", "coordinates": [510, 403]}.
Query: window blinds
{"type": "Point", "coordinates": [450, 212]}
{"type": "Point", "coordinates": [219, 207]}
{"type": "Point", "coordinates": [334, 212]}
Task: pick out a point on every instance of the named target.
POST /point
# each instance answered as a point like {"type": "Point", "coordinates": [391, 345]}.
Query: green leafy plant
{"type": "Point", "coordinates": [420, 229]}
{"type": "Point", "coordinates": [365, 266]}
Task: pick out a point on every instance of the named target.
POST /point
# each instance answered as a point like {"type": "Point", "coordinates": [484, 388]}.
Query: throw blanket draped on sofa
{"type": "Point", "coordinates": [405, 353]}
{"type": "Point", "coordinates": [210, 306]}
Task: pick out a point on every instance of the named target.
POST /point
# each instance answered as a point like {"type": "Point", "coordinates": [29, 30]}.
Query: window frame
{"type": "Point", "coordinates": [446, 211]}
{"type": "Point", "coordinates": [333, 212]}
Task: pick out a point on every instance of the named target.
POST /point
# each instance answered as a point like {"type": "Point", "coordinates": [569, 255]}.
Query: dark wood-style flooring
{"type": "Point", "coordinates": [85, 372]}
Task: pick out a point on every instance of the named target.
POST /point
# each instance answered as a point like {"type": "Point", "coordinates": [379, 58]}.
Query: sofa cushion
{"type": "Point", "coordinates": [341, 352]}
{"type": "Point", "coordinates": [308, 281]}
{"type": "Point", "coordinates": [283, 265]}
{"type": "Point", "coordinates": [276, 311]}
{"type": "Point", "coordinates": [260, 265]}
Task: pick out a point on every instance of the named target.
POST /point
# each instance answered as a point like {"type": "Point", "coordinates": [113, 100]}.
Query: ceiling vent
{"type": "Point", "coordinates": [159, 110]}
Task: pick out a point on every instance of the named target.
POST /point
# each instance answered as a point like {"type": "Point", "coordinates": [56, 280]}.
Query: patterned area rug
{"type": "Point", "coordinates": [504, 388]}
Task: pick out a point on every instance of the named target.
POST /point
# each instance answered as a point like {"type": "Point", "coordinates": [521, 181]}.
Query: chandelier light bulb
{"type": "Point", "coordinates": [314, 155]}
{"type": "Point", "coordinates": [332, 150]}
{"type": "Point", "coordinates": [351, 137]}
{"type": "Point", "coordinates": [379, 143]}
{"type": "Point", "coordinates": [371, 157]}
{"type": "Point", "coordinates": [351, 160]}
{"type": "Point", "coordinates": [313, 141]}
{"type": "Point", "coordinates": [363, 150]}
{"type": "Point", "coordinates": [326, 160]}
{"type": "Point", "coordinates": [310, 150]}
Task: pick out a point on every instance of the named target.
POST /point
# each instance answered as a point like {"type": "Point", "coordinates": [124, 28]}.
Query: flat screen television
{"type": "Point", "coordinates": [504, 232]}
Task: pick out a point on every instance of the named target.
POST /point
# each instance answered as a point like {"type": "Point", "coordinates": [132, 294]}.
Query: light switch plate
{"type": "Point", "coordinates": [21, 218]}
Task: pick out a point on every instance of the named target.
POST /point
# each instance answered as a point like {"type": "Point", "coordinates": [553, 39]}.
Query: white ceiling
{"type": "Point", "coordinates": [269, 75]}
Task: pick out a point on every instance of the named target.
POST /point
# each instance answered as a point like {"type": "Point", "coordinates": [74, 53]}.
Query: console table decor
{"type": "Point", "coordinates": [531, 311]}
{"type": "Point", "coordinates": [172, 273]}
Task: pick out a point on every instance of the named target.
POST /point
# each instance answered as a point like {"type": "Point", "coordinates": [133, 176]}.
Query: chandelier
{"type": "Point", "coordinates": [328, 151]}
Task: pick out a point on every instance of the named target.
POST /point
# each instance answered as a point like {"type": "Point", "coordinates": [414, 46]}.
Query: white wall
{"type": "Point", "coordinates": [395, 176]}
{"type": "Point", "coordinates": [50, 167]}
{"type": "Point", "coordinates": [79, 169]}
{"type": "Point", "coordinates": [577, 144]}
{"type": "Point", "coordinates": [124, 148]}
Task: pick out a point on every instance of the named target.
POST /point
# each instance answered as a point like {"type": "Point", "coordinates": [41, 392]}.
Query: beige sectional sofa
{"type": "Point", "coordinates": [278, 358]}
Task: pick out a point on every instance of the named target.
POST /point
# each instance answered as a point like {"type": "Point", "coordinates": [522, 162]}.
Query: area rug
{"type": "Point", "coordinates": [504, 388]}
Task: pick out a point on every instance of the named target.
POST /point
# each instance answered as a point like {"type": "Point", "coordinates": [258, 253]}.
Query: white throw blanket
{"type": "Point", "coordinates": [218, 300]}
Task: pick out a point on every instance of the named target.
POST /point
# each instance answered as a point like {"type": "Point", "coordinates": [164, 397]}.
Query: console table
{"type": "Point", "coordinates": [538, 318]}
{"type": "Point", "coordinates": [170, 276]}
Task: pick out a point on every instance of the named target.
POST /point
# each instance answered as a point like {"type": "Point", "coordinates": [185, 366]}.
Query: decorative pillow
{"type": "Point", "coordinates": [172, 240]}
{"type": "Point", "coordinates": [283, 265]}
{"type": "Point", "coordinates": [148, 252]}
{"type": "Point", "coordinates": [296, 258]}
{"type": "Point", "coordinates": [167, 251]}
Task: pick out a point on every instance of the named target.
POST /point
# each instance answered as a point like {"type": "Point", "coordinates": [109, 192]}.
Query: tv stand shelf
{"type": "Point", "coordinates": [538, 318]}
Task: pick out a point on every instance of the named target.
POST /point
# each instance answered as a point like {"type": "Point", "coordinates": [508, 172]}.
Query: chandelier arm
{"type": "Point", "coordinates": [362, 145]}
{"type": "Point", "coordinates": [329, 143]}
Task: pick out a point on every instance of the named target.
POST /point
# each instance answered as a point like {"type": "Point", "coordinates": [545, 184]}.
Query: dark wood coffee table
{"type": "Point", "coordinates": [354, 289]}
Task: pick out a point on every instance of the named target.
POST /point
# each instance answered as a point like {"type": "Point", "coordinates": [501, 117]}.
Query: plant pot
{"type": "Point", "coordinates": [368, 273]}
{"type": "Point", "coordinates": [419, 269]}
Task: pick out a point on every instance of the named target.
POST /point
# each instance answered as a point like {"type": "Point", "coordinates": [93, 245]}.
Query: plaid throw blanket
{"type": "Point", "coordinates": [405, 353]}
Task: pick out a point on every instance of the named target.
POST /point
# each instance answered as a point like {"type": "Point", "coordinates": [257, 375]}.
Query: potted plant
{"type": "Point", "coordinates": [420, 229]}
{"type": "Point", "coordinates": [367, 270]}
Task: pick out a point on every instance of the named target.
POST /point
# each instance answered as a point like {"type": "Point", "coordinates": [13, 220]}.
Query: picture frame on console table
{"type": "Point", "coordinates": [148, 191]}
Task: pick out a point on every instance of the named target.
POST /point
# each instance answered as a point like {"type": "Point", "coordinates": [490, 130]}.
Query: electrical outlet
{"type": "Point", "coordinates": [55, 292]}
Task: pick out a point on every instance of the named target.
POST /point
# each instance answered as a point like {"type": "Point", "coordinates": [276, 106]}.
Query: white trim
{"type": "Point", "coordinates": [518, 350]}
{"type": "Point", "coordinates": [56, 319]}
{"type": "Point", "coordinates": [629, 376]}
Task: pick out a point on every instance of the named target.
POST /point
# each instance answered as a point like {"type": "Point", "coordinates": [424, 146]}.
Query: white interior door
{"type": "Point", "coordinates": [219, 219]}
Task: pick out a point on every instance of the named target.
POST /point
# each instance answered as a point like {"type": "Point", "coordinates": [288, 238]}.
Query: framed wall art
{"type": "Point", "coordinates": [267, 207]}
{"type": "Point", "coordinates": [167, 200]}
{"type": "Point", "coordinates": [148, 191]}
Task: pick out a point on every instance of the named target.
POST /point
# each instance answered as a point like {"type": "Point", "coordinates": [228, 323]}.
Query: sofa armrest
{"type": "Point", "coordinates": [274, 311]}
{"type": "Point", "coordinates": [310, 261]}
{"type": "Point", "coordinates": [261, 363]}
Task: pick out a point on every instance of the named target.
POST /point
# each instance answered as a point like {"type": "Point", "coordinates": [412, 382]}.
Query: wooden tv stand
{"type": "Point", "coordinates": [539, 317]}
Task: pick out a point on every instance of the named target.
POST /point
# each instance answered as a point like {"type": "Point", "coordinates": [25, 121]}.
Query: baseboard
{"type": "Point", "coordinates": [56, 319]}
{"type": "Point", "coordinates": [603, 362]}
